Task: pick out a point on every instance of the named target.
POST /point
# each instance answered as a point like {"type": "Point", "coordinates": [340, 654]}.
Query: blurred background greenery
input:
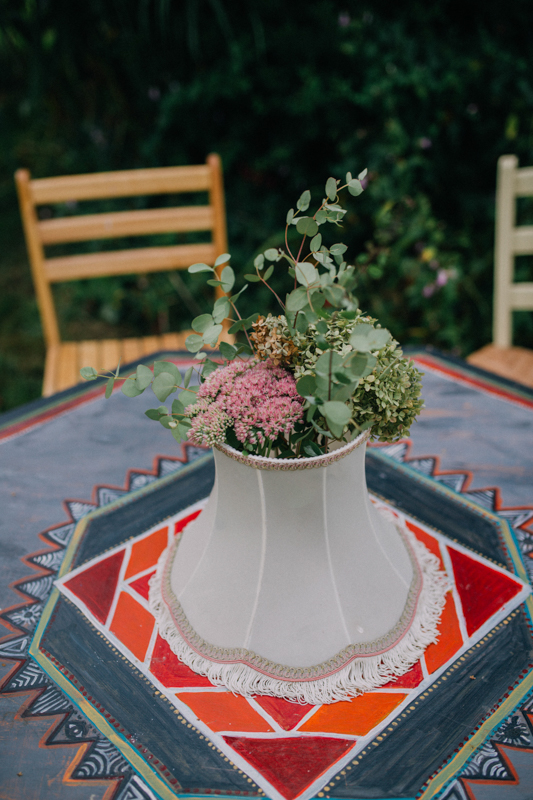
{"type": "Point", "coordinates": [427, 96]}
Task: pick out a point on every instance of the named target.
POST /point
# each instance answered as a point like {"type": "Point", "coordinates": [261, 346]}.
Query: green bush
{"type": "Point", "coordinates": [427, 96]}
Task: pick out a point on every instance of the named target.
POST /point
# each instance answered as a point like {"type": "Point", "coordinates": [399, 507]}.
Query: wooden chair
{"type": "Point", "coordinates": [64, 359]}
{"type": "Point", "coordinates": [501, 357]}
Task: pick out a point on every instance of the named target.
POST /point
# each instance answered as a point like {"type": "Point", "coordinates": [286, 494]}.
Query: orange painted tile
{"type": "Point", "coordinates": [450, 639]}
{"type": "Point", "coordinates": [133, 625]}
{"type": "Point", "coordinates": [357, 716]}
{"type": "Point", "coordinates": [145, 553]}
{"type": "Point", "coordinates": [224, 711]}
{"type": "Point", "coordinates": [431, 543]}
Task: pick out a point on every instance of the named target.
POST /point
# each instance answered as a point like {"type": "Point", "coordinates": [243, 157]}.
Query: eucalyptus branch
{"type": "Point", "coordinates": [245, 331]}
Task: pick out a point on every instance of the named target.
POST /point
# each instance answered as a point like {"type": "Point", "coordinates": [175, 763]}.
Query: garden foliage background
{"type": "Point", "coordinates": [426, 95]}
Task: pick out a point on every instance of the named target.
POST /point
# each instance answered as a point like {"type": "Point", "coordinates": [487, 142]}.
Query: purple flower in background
{"type": "Point", "coordinates": [425, 143]}
{"type": "Point", "coordinates": [442, 277]}
{"type": "Point", "coordinates": [428, 289]}
{"type": "Point", "coordinates": [344, 19]}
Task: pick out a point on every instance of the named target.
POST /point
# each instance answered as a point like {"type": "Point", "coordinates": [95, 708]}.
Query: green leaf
{"type": "Point", "coordinates": [272, 254]}
{"type": "Point", "coordinates": [244, 348]}
{"type": "Point", "coordinates": [327, 362]}
{"type": "Point", "coordinates": [306, 273]}
{"type": "Point", "coordinates": [268, 273]}
{"type": "Point", "coordinates": [89, 373]}
{"type": "Point", "coordinates": [342, 377]}
{"type": "Point", "coordinates": [167, 366]}
{"type": "Point", "coordinates": [336, 413]}
{"type": "Point", "coordinates": [321, 216]}
{"type": "Point", "coordinates": [306, 386]}
{"type": "Point", "coordinates": [338, 249]}
{"type": "Point", "coordinates": [365, 337]}
{"type": "Point", "coordinates": [193, 343]}
{"type": "Point", "coordinates": [210, 336]}
{"type": "Point", "coordinates": [177, 406]}
{"type": "Point", "coordinates": [322, 326]}
{"type": "Point", "coordinates": [252, 278]}
{"type": "Point", "coordinates": [297, 299]}
{"type": "Point", "coordinates": [227, 350]}
{"type": "Point", "coordinates": [348, 177]}
{"type": "Point", "coordinates": [334, 295]}
{"type": "Point", "coordinates": [222, 259]}
{"type": "Point", "coordinates": [214, 282]}
{"type": "Point", "coordinates": [109, 387]}
{"type": "Point", "coordinates": [202, 323]}
{"type": "Point", "coordinates": [228, 279]}
{"type": "Point", "coordinates": [290, 215]}
{"type": "Point", "coordinates": [331, 188]}
{"type": "Point", "coordinates": [355, 187]}
{"type": "Point", "coordinates": [301, 324]}
{"type": "Point", "coordinates": [306, 226]}
{"type": "Point", "coordinates": [247, 323]}
{"type": "Point", "coordinates": [208, 368]}
{"type": "Point", "coordinates": [163, 385]}
{"type": "Point", "coordinates": [188, 398]}
{"type": "Point", "coordinates": [221, 309]}
{"type": "Point", "coordinates": [128, 388]}
{"type": "Point", "coordinates": [259, 261]}
{"type": "Point", "coordinates": [303, 202]}
{"type": "Point", "coordinates": [316, 241]}
{"type": "Point", "coordinates": [187, 377]}
{"type": "Point", "coordinates": [144, 377]}
{"type": "Point", "coordinates": [153, 413]}
{"type": "Point", "coordinates": [165, 419]}
{"type": "Point", "coordinates": [312, 449]}
{"type": "Point", "coordinates": [362, 175]}
{"type": "Point", "coordinates": [237, 326]}
{"type": "Point", "coordinates": [200, 268]}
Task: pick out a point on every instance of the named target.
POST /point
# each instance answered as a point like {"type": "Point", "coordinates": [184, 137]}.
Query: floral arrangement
{"type": "Point", "coordinates": [320, 371]}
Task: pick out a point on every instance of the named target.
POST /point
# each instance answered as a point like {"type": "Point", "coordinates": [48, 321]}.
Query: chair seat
{"type": "Point", "coordinates": [515, 363]}
{"type": "Point", "coordinates": [64, 361]}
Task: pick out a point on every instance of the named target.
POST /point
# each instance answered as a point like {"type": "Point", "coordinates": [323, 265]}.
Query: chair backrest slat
{"type": "Point", "coordinates": [511, 240]}
{"type": "Point", "coordinates": [127, 183]}
{"type": "Point", "coordinates": [125, 223]}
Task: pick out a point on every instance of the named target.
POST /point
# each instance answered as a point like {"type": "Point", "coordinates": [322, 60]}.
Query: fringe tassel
{"type": "Point", "coordinates": [360, 675]}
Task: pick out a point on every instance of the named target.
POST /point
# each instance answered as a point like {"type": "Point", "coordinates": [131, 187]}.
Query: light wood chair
{"type": "Point", "coordinates": [511, 240]}
{"type": "Point", "coordinates": [64, 359]}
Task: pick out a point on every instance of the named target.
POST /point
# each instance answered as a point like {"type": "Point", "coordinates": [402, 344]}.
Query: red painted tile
{"type": "Point", "coordinates": [146, 552]}
{"type": "Point", "coordinates": [431, 542]}
{"type": "Point", "coordinates": [482, 590]}
{"type": "Point", "coordinates": [180, 524]}
{"type": "Point", "coordinates": [133, 625]}
{"type": "Point", "coordinates": [141, 585]}
{"type": "Point", "coordinates": [286, 714]}
{"type": "Point", "coordinates": [96, 585]}
{"type": "Point", "coordinates": [224, 711]}
{"type": "Point", "coordinates": [410, 680]}
{"type": "Point", "coordinates": [450, 638]}
{"type": "Point", "coordinates": [290, 764]}
{"type": "Point", "coordinates": [167, 668]}
{"type": "Point", "coordinates": [356, 716]}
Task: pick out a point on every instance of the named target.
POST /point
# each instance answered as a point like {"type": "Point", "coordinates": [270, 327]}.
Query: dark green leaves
{"type": "Point", "coordinates": [307, 226]}
{"type": "Point", "coordinates": [331, 188]}
{"type": "Point", "coordinates": [163, 385]}
{"type": "Point", "coordinates": [303, 202]}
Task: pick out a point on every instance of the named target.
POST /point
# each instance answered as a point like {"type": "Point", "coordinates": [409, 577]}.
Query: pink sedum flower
{"type": "Point", "coordinates": [257, 399]}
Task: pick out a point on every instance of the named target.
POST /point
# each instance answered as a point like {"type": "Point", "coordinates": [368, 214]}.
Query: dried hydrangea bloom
{"type": "Point", "coordinates": [272, 341]}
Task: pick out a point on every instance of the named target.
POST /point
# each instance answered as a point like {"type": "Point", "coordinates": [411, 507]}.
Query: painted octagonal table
{"type": "Point", "coordinates": [83, 657]}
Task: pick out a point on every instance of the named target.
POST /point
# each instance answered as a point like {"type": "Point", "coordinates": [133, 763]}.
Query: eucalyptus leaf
{"type": "Point", "coordinates": [227, 278]}
{"type": "Point", "coordinates": [152, 413]}
{"type": "Point", "coordinates": [202, 323]}
{"type": "Point", "coordinates": [307, 226]}
{"type": "Point", "coordinates": [144, 377]}
{"type": "Point", "coordinates": [306, 273]}
{"type": "Point", "coordinates": [222, 259]}
{"type": "Point", "coordinates": [336, 413]}
{"type": "Point", "coordinates": [128, 388]}
{"type": "Point", "coordinates": [221, 309]}
{"type": "Point", "coordinates": [237, 326]}
{"type": "Point", "coordinates": [200, 268]}
{"type": "Point", "coordinates": [214, 282]}
{"type": "Point", "coordinates": [355, 188]}
{"type": "Point", "coordinates": [227, 350]}
{"type": "Point", "coordinates": [89, 373]}
{"type": "Point", "coordinates": [303, 202]}
{"type": "Point", "coordinates": [290, 215]}
{"type": "Point", "coordinates": [165, 421]}
{"type": "Point", "coordinates": [348, 177]}
{"type": "Point", "coordinates": [331, 188]}
{"type": "Point", "coordinates": [328, 363]}
{"type": "Point", "coordinates": [193, 343]}
{"type": "Point", "coordinates": [188, 398]}
{"type": "Point", "coordinates": [312, 449]}
{"type": "Point", "coordinates": [163, 385]}
{"type": "Point", "coordinates": [306, 386]}
{"type": "Point", "coordinates": [210, 336]}
{"type": "Point", "coordinates": [167, 366]}
{"type": "Point", "coordinates": [259, 261]}
{"type": "Point", "coordinates": [322, 326]}
{"type": "Point", "coordinates": [252, 278]}
{"type": "Point", "coordinates": [316, 242]}
{"type": "Point", "coordinates": [365, 337]}
{"type": "Point", "coordinates": [177, 406]}
{"type": "Point", "coordinates": [109, 387]}
{"type": "Point", "coordinates": [209, 367]}
{"type": "Point", "coordinates": [301, 324]}
{"type": "Point", "coordinates": [268, 273]}
{"type": "Point", "coordinates": [271, 254]}
{"type": "Point", "coordinates": [362, 175]}
{"type": "Point", "coordinates": [321, 216]}
{"type": "Point", "coordinates": [297, 299]}
{"type": "Point", "coordinates": [338, 249]}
